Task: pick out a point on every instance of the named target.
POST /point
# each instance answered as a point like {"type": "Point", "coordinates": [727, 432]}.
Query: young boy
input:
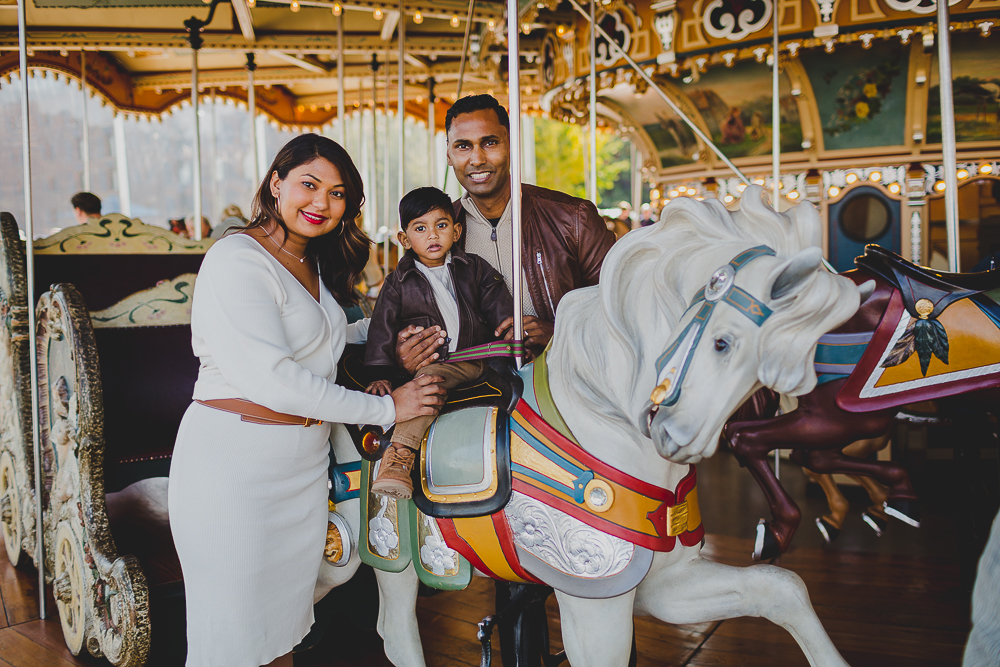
{"type": "Point", "coordinates": [435, 283]}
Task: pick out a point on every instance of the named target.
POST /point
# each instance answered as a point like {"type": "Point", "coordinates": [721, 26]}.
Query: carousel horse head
{"type": "Point", "coordinates": [739, 300]}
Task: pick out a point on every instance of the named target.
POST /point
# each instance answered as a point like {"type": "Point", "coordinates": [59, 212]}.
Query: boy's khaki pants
{"type": "Point", "coordinates": [411, 433]}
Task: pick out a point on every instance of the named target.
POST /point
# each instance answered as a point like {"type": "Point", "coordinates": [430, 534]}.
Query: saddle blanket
{"type": "Point", "coordinates": [970, 357]}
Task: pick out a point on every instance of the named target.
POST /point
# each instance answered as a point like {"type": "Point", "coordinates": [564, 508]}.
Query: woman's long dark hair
{"type": "Point", "coordinates": [343, 253]}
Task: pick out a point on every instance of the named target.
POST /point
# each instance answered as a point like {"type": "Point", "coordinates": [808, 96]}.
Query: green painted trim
{"type": "Point", "coordinates": [543, 396]}
{"type": "Point", "coordinates": [365, 549]}
{"type": "Point", "coordinates": [456, 582]}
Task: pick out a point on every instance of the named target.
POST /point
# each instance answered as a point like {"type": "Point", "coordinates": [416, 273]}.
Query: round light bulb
{"type": "Point", "coordinates": [454, 21]}
{"type": "Point", "coordinates": [729, 199]}
{"type": "Point", "coordinates": [296, 6]}
{"type": "Point", "coordinates": [963, 173]}
{"type": "Point", "coordinates": [741, 187]}
{"type": "Point", "coordinates": [793, 195]}
{"type": "Point", "coordinates": [986, 168]}
{"type": "Point", "coordinates": [940, 186]}
{"type": "Point", "coordinates": [875, 176]}
{"type": "Point", "coordinates": [418, 18]}
{"type": "Point", "coordinates": [377, 14]}
{"type": "Point", "coordinates": [337, 9]}
{"type": "Point", "coordinates": [834, 191]}
{"type": "Point", "coordinates": [851, 178]}
{"type": "Point", "coordinates": [894, 188]}
{"type": "Point", "coordinates": [491, 24]}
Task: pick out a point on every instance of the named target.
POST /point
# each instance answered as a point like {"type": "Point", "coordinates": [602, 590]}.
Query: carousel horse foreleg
{"type": "Point", "coordinates": [597, 633]}
{"type": "Point", "coordinates": [830, 524]}
{"type": "Point", "coordinates": [751, 442]}
{"type": "Point", "coordinates": [696, 590]}
{"type": "Point", "coordinates": [397, 617]}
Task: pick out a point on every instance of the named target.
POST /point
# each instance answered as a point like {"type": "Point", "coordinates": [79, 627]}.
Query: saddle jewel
{"type": "Point", "coordinates": [559, 515]}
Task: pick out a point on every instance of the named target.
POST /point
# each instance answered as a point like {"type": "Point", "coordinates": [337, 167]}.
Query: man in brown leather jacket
{"type": "Point", "coordinates": [563, 239]}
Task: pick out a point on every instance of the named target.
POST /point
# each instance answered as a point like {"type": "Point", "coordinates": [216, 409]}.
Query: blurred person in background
{"type": "Point", "coordinates": [232, 219]}
{"type": "Point", "coordinates": [86, 205]}
{"type": "Point", "coordinates": [647, 215]}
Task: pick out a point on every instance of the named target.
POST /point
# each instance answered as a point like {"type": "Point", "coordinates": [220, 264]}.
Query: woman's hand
{"type": "Point", "coordinates": [379, 388]}
{"type": "Point", "coordinates": [419, 397]}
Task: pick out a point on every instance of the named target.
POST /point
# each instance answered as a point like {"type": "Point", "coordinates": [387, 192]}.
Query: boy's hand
{"type": "Point", "coordinates": [537, 334]}
{"type": "Point", "coordinates": [416, 347]}
{"type": "Point", "coordinates": [379, 388]}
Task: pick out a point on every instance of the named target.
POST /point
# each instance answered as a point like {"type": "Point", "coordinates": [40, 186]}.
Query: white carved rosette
{"type": "Point", "coordinates": [17, 479]}
{"type": "Point", "coordinates": [102, 598]}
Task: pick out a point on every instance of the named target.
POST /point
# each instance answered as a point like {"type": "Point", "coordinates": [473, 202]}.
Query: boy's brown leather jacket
{"type": "Point", "coordinates": [407, 298]}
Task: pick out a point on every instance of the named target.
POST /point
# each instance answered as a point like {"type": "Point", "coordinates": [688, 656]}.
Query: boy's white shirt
{"type": "Point", "coordinates": [444, 294]}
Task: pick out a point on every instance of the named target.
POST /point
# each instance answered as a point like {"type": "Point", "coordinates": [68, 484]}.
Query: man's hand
{"type": "Point", "coordinates": [379, 388]}
{"type": "Point", "coordinates": [537, 334]}
{"type": "Point", "coordinates": [416, 347]}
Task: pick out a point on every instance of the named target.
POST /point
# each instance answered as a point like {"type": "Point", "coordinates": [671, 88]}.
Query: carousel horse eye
{"type": "Point", "coordinates": [721, 345]}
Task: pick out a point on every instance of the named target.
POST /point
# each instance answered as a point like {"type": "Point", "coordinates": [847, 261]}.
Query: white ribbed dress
{"type": "Point", "coordinates": [248, 507]}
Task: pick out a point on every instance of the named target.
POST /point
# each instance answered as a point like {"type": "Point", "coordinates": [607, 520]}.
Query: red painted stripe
{"type": "Point", "coordinates": [559, 441]}
{"type": "Point", "coordinates": [453, 540]}
{"type": "Point", "coordinates": [665, 543]}
{"type": "Point", "coordinates": [507, 545]}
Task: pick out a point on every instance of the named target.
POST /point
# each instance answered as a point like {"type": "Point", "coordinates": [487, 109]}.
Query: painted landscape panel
{"type": "Point", "coordinates": [975, 70]}
{"type": "Point", "coordinates": [860, 94]}
{"type": "Point", "coordinates": [736, 105]}
{"type": "Point", "coordinates": [675, 142]}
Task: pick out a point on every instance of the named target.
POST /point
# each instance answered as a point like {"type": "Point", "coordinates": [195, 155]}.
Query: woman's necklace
{"type": "Point", "coordinates": [282, 249]}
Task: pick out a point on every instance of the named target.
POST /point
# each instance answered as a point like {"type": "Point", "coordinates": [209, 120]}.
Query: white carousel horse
{"type": "Point", "coordinates": [608, 353]}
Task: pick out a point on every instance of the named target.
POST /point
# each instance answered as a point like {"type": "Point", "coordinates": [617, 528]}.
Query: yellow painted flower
{"type": "Point", "coordinates": [871, 90]}
{"type": "Point", "coordinates": [861, 110]}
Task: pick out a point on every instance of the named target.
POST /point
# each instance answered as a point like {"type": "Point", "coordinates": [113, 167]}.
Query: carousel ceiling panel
{"type": "Point", "coordinates": [674, 142]}
{"type": "Point", "coordinates": [112, 4]}
{"type": "Point", "coordinates": [117, 19]}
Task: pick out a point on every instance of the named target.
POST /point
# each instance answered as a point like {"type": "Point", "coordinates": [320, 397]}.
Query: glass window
{"type": "Point", "coordinates": [865, 218]}
{"type": "Point", "coordinates": [978, 227]}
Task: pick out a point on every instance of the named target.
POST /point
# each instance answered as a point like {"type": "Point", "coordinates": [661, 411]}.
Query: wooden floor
{"type": "Point", "coordinates": [881, 610]}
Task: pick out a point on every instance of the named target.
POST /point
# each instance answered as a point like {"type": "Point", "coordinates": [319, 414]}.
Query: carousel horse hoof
{"type": "Point", "coordinates": [905, 509]}
{"type": "Point", "coordinates": [878, 524]}
{"type": "Point", "coordinates": [827, 530]}
{"type": "Point", "coordinates": [765, 547]}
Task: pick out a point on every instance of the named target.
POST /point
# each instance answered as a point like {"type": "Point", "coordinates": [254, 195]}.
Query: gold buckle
{"type": "Point", "coordinates": [677, 519]}
{"type": "Point", "coordinates": [310, 422]}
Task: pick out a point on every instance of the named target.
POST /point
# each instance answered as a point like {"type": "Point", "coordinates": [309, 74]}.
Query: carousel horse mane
{"type": "Point", "coordinates": [637, 319]}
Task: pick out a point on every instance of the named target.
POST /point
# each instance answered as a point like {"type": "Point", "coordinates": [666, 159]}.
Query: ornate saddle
{"type": "Point", "coordinates": [917, 284]}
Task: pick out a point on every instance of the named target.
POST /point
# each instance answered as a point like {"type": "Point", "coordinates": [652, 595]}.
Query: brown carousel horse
{"type": "Point", "coordinates": [920, 335]}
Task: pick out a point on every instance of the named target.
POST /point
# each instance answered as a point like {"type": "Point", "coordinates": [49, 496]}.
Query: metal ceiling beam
{"type": "Point", "coordinates": [245, 19]}
{"type": "Point", "coordinates": [415, 61]}
{"type": "Point", "coordinates": [299, 61]}
{"type": "Point", "coordinates": [389, 24]}
{"type": "Point", "coordinates": [99, 39]}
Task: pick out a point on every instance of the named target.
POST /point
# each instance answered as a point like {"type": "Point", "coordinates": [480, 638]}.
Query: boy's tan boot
{"type": "Point", "coordinates": [393, 478]}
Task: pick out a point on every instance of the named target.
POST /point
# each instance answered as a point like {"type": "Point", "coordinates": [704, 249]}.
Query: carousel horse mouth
{"type": "Point", "coordinates": [668, 445]}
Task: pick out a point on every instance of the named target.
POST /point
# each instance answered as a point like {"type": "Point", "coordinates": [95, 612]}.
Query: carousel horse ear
{"type": "Point", "coordinates": [792, 274]}
{"type": "Point", "coordinates": [866, 289]}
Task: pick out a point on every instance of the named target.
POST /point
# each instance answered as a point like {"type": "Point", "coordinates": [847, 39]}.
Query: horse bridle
{"type": "Point", "coordinates": [672, 366]}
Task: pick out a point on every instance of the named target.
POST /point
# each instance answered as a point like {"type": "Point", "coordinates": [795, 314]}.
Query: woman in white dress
{"type": "Point", "coordinates": [248, 481]}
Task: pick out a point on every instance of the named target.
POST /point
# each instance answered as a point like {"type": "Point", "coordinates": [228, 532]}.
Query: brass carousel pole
{"type": "Point", "coordinates": [86, 121]}
{"type": "Point", "coordinates": [386, 170]}
{"type": "Point", "coordinates": [251, 67]}
{"type": "Point", "coordinates": [341, 113]}
{"type": "Point", "coordinates": [775, 158]}
{"type": "Point", "coordinates": [29, 232]}
{"type": "Point", "coordinates": [401, 101]}
{"type": "Point", "coordinates": [431, 133]}
{"type": "Point", "coordinates": [669, 102]}
{"type": "Point", "coordinates": [949, 162]}
{"type": "Point", "coordinates": [514, 101]}
{"type": "Point", "coordinates": [197, 145]}
{"type": "Point", "coordinates": [461, 70]}
{"type": "Point", "coordinates": [593, 105]}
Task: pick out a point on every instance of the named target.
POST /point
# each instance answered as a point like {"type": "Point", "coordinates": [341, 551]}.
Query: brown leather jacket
{"type": "Point", "coordinates": [407, 298]}
{"type": "Point", "coordinates": [564, 241]}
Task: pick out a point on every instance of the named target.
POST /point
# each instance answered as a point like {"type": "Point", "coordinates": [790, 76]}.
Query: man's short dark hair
{"type": "Point", "coordinates": [87, 202]}
{"type": "Point", "coordinates": [421, 201]}
{"type": "Point", "coordinates": [472, 103]}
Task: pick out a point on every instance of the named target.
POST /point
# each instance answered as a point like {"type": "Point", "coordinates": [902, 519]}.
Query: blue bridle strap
{"type": "Point", "coordinates": [720, 288]}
